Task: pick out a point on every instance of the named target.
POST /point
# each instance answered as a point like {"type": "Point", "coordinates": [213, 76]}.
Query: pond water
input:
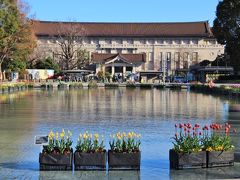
{"type": "Point", "coordinates": [153, 113]}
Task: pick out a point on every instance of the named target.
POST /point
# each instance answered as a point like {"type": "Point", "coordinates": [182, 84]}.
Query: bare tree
{"type": "Point", "coordinates": [37, 55]}
{"type": "Point", "coordinates": [70, 38]}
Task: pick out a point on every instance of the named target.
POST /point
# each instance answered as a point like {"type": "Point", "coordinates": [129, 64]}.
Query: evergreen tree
{"type": "Point", "coordinates": [47, 63]}
{"type": "Point", "coordinates": [226, 29]}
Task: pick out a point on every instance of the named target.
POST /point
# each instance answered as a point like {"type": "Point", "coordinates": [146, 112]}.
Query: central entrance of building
{"type": "Point", "coordinates": [122, 70]}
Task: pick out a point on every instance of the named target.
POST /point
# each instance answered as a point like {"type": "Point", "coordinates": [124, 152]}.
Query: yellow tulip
{"type": "Point", "coordinates": [62, 135]}
{"type": "Point", "coordinates": [96, 136]}
{"type": "Point", "coordinates": [51, 135]}
{"type": "Point", "coordinates": [129, 135]}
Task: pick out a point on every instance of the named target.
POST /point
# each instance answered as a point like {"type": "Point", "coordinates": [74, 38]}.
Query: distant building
{"type": "Point", "coordinates": [133, 47]}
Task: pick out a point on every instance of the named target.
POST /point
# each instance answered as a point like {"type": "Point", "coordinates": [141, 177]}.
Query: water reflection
{"type": "Point", "coordinates": [152, 113]}
{"type": "Point", "coordinates": [93, 175]}
{"type": "Point", "coordinates": [211, 173]}
{"type": "Point", "coordinates": [90, 175]}
{"type": "Point", "coordinates": [128, 175]}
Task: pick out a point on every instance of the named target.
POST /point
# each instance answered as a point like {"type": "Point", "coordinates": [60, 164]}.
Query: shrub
{"type": "Point", "coordinates": [92, 84]}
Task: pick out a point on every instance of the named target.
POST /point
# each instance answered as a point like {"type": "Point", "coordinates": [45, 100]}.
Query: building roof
{"type": "Point", "coordinates": [180, 29]}
{"type": "Point", "coordinates": [131, 58]}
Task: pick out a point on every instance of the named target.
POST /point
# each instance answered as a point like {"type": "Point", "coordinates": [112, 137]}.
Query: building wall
{"type": "Point", "coordinates": [161, 52]}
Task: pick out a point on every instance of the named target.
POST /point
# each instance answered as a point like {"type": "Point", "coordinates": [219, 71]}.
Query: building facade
{"type": "Point", "coordinates": [137, 47]}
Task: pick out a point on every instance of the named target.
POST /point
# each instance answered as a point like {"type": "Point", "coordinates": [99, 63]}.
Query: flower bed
{"type": "Point", "coordinates": [125, 151]}
{"type": "Point", "coordinates": [58, 154]}
{"type": "Point", "coordinates": [90, 153]}
{"type": "Point", "coordinates": [217, 144]}
{"type": "Point", "coordinates": [187, 151]}
{"type": "Point", "coordinates": [207, 147]}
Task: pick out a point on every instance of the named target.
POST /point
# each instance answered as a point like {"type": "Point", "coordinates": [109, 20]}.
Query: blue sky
{"type": "Point", "coordinates": [124, 10]}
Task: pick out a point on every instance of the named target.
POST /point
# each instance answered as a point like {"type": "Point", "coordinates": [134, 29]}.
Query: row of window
{"type": "Point", "coordinates": [179, 60]}
{"type": "Point", "coordinates": [178, 57]}
{"type": "Point", "coordinates": [123, 51]}
{"type": "Point", "coordinates": [139, 41]}
{"type": "Point", "coordinates": [185, 56]}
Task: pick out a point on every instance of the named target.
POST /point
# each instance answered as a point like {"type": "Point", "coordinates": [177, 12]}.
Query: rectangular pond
{"type": "Point", "coordinates": [151, 112]}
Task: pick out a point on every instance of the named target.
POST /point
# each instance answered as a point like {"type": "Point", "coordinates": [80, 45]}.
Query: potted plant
{"type": "Point", "coordinates": [57, 155]}
{"type": "Point", "coordinates": [124, 151]}
{"type": "Point", "coordinates": [90, 153]}
{"type": "Point", "coordinates": [187, 151]}
{"type": "Point", "coordinates": [217, 143]}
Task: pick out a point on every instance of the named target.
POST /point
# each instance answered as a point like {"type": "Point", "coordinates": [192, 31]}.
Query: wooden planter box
{"type": "Point", "coordinates": [90, 161]}
{"type": "Point", "coordinates": [187, 160]}
{"type": "Point", "coordinates": [124, 161]}
{"type": "Point", "coordinates": [220, 158]}
{"type": "Point", "coordinates": [55, 162]}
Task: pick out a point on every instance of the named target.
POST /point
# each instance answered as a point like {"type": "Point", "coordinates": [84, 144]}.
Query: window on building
{"type": "Point", "coordinates": [130, 41]}
{"type": "Point", "coordinates": [94, 41]}
{"type": "Point", "coordinates": [195, 57]}
{"type": "Point", "coordinates": [119, 50]}
{"type": "Point", "coordinates": [136, 42]}
{"type": "Point", "coordinates": [149, 41]}
{"type": "Point", "coordinates": [177, 60]}
{"type": "Point", "coordinates": [177, 41]}
{"type": "Point", "coordinates": [150, 56]}
{"type": "Point", "coordinates": [160, 61]}
{"type": "Point", "coordinates": [168, 41]}
{"type": "Point", "coordinates": [194, 41]}
{"type": "Point", "coordinates": [185, 41]}
{"type": "Point", "coordinates": [108, 41]}
{"type": "Point", "coordinates": [108, 51]}
{"type": "Point", "coordinates": [185, 60]}
{"type": "Point", "coordinates": [129, 51]}
{"type": "Point", "coordinates": [212, 41]}
{"type": "Point", "coordinates": [168, 57]}
{"type": "Point", "coordinates": [142, 41]}
{"type": "Point", "coordinates": [118, 41]}
{"type": "Point", "coordinates": [86, 41]}
{"type": "Point", "coordinates": [160, 41]}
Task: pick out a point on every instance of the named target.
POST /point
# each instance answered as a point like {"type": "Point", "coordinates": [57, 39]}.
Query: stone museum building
{"type": "Point", "coordinates": [136, 47]}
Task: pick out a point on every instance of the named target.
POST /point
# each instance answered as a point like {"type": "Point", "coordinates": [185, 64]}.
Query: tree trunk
{"type": "Point", "coordinates": [1, 74]}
